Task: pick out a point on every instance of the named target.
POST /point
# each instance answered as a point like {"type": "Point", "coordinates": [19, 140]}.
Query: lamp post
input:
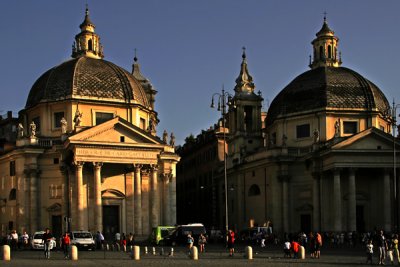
{"type": "Point", "coordinates": [224, 99]}
{"type": "Point", "coordinates": [394, 125]}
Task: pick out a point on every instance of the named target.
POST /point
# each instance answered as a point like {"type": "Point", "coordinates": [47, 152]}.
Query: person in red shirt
{"type": "Point", "coordinates": [231, 242]}
{"type": "Point", "coordinates": [295, 248]}
{"type": "Point", "coordinates": [66, 241]}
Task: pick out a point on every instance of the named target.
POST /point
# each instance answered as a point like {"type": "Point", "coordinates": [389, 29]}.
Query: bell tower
{"type": "Point", "coordinates": [87, 42]}
{"type": "Point", "coordinates": [325, 48]}
{"type": "Point", "coordinates": [245, 135]}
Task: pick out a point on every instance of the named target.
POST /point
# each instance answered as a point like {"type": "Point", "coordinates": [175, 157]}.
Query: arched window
{"type": "Point", "coordinates": [254, 190]}
{"type": "Point", "coordinates": [13, 194]}
{"type": "Point", "coordinates": [90, 45]}
{"type": "Point", "coordinates": [329, 51]}
{"type": "Point", "coordinates": [321, 52]}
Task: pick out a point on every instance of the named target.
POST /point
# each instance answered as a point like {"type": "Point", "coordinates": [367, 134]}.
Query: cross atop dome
{"type": "Point", "coordinates": [244, 83]}
{"type": "Point", "coordinates": [87, 42]}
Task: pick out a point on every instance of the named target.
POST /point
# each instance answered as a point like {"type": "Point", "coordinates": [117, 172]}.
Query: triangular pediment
{"type": "Point", "coordinates": [370, 139]}
{"type": "Point", "coordinates": [115, 131]}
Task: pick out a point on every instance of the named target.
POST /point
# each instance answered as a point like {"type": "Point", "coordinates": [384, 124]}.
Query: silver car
{"type": "Point", "coordinates": [37, 241]}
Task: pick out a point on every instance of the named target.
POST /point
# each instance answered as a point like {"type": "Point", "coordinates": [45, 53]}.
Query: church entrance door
{"type": "Point", "coordinates": [110, 221]}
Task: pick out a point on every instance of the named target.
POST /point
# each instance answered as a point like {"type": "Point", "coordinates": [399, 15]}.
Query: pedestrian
{"type": "Point", "coordinates": [25, 240]}
{"type": "Point", "coordinates": [66, 241]}
{"type": "Point", "coordinates": [231, 242]}
{"type": "Point", "coordinates": [47, 237]}
{"type": "Point", "coordinates": [99, 240]}
{"type": "Point", "coordinates": [295, 248]}
{"type": "Point", "coordinates": [14, 240]}
{"type": "Point", "coordinates": [286, 249]}
{"type": "Point", "coordinates": [318, 245]}
{"type": "Point", "coordinates": [395, 242]}
{"type": "Point", "coordinates": [370, 251]}
{"type": "Point", "coordinates": [202, 242]}
{"type": "Point", "coordinates": [382, 246]}
{"type": "Point", "coordinates": [189, 242]}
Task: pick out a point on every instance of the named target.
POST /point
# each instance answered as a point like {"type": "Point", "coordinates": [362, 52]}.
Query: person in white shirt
{"type": "Point", "coordinates": [286, 249]}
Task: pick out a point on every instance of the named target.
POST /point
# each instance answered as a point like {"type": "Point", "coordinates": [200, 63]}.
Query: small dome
{"type": "Point", "coordinates": [327, 87]}
{"type": "Point", "coordinates": [87, 78]}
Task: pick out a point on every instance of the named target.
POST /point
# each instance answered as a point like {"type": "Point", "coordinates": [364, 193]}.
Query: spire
{"type": "Point", "coordinates": [87, 42]}
{"type": "Point", "coordinates": [325, 48]}
{"type": "Point", "coordinates": [244, 83]}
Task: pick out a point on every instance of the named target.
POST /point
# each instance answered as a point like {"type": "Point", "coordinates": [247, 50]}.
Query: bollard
{"type": "Point", "coordinates": [136, 253]}
{"type": "Point", "coordinates": [172, 252]}
{"type": "Point", "coordinates": [6, 253]}
{"type": "Point", "coordinates": [124, 247]}
{"type": "Point", "coordinates": [194, 253]}
{"type": "Point", "coordinates": [249, 253]}
{"type": "Point", "coordinates": [302, 253]}
{"type": "Point", "coordinates": [74, 253]}
{"type": "Point", "coordinates": [107, 247]}
{"type": "Point", "coordinates": [117, 247]}
{"type": "Point", "coordinates": [145, 251]}
{"type": "Point", "coordinates": [162, 251]}
{"type": "Point", "coordinates": [154, 251]}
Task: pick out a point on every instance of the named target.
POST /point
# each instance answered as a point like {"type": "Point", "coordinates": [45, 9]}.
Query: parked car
{"type": "Point", "coordinates": [159, 233]}
{"type": "Point", "coordinates": [83, 240]}
{"type": "Point", "coordinates": [37, 241]}
{"type": "Point", "coordinates": [179, 235]}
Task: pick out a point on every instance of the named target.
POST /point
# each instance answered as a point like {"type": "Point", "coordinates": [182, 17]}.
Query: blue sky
{"type": "Point", "coordinates": [188, 48]}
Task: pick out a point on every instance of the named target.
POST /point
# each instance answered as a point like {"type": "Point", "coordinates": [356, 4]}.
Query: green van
{"type": "Point", "coordinates": [158, 233]}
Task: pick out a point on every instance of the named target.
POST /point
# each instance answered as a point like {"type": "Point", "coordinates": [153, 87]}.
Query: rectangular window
{"type": "Point", "coordinates": [350, 127]}
{"type": "Point", "coordinates": [55, 191]}
{"type": "Point", "coordinates": [142, 124]}
{"type": "Point", "coordinates": [122, 139]}
{"type": "Point", "coordinates": [303, 131]}
{"type": "Point", "coordinates": [36, 120]}
{"type": "Point", "coordinates": [103, 117]}
{"type": "Point", "coordinates": [12, 168]}
{"type": "Point", "coordinates": [57, 119]}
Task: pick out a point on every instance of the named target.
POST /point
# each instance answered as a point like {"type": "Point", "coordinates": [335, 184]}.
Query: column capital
{"type": "Point", "coordinates": [336, 171]}
{"type": "Point", "coordinates": [352, 170]}
{"type": "Point", "coordinates": [316, 175]}
{"type": "Point", "coordinates": [284, 178]}
{"type": "Point", "coordinates": [137, 167]}
{"type": "Point", "coordinates": [166, 176]}
{"type": "Point", "coordinates": [153, 167]}
{"type": "Point", "coordinates": [78, 163]}
{"type": "Point", "coordinates": [97, 164]}
{"type": "Point", "coordinates": [32, 172]}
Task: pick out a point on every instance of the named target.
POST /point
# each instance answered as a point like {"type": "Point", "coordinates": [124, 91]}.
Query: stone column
{"type": "Point", "coordinates": [79, 195]}
{"type": "Point", "coordinates": [98, 207]}
{"type": "Point", "coordinates": [285, 203]}
{"type": "Point", "coordinates": [166, 200]}
{"type": "Point", "coordinates": [387, 207]}
{"type": "Point", "coordinates": [316, 202]}
{"type": "Point", "coordinates": [351, 209]}
{"type": "Point", "coordinates": [337, 202]}
{"type": "Point", "coordinates": [65, 198]}
{"type": "Point", "coordinates": [138, 200]}
{"type": "Point", "coordinates": [154, 198]}
{"type": "Point", "coordinates": [34, 200]}
{"type": "Point", "coordinates": [172, 200]}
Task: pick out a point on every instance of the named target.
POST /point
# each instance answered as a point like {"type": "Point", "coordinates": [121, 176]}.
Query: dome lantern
{"type": "Point", "coordinates": [244, 83]}
{"type": "Point", "coordinates": [87, 42]}
{"type": "Point", "coordinates": [325, 48]}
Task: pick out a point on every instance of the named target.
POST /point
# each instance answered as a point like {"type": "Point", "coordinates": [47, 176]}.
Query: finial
{"type": "Point", "coordinates": [87, 9]}
{"type": "Point", "coordinates": [325, 16]}
{"type": "Point", "coordinates": [244, 52]}
{"type": "Point", "coordinates": [135, 58]}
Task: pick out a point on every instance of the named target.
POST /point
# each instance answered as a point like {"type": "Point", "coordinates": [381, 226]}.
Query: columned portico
{"type": "Point", "coordinates": [337, 202]}
{"type": "Point", "coordinates": [98, 208]}
{"type": "Point", "coordinates": [351, 209]}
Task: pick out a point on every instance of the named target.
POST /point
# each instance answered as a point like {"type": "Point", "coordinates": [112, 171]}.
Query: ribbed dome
{"type": "Point", "coordinates": [327, 87]}
{"type": "Point", "coordinates": [86, 78]}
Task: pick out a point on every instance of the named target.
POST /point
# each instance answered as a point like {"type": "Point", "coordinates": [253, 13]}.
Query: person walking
{"type": "Point", "coordinates": [47, 237]}
{"type": "Point", "coordinates": [382, 246]}
{"type": "Point", "coordinates": [231, 242]}
{"type": "Point", "coordinates": [202, 242]}
{"type": "Point", "coordinates": [25, 240]}
{"type": "Point", "coordinates": [370, 252]}
{"type": "Point", "coordinates": [66, 241]}
{"type": "Point", "coordinates": [189, 242]}
{"type": "Point", "coordinates": [286, 249]}
{"type": "Point", "coordinates": [395, 242]}
{"type": "Point", "coordinates": [14, 240]}
{"type": "Point", "coordinates": [99, 240]}
{"type": "Point", "coordinates": [318, 245]}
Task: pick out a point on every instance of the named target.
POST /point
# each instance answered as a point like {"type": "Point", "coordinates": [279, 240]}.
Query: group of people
{"type": "Point", "coordinates": [202, 241]}
{"type": "Point", "coordinates": [293, 248]}
{"type": "Point", "coordinates": [17, 241]}
{"type": "Point", "coordinates": [124, 240]}
{"type": "Point", "coordinates": [386, 246]}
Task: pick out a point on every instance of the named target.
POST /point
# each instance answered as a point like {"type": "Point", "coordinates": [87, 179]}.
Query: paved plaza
{"type": "Point", "coordinates": [216, 255]}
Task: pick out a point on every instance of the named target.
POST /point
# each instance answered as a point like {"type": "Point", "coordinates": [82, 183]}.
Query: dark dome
{"type": "Point", "coordinates": [86, 78]}
{"type": "Point", "coordinates": [327, 87]}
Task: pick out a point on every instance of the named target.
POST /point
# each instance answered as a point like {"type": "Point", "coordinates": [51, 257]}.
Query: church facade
{"type": "Point", "coordinates": [324, 158]}
{"type": "Point", "coordinates": [87, 154]}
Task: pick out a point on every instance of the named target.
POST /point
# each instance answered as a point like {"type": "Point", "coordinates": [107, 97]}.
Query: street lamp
{"type": "Point", "coordinates": [224, 99]}
{"type": "Point", "coordinates": [396, 213]}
